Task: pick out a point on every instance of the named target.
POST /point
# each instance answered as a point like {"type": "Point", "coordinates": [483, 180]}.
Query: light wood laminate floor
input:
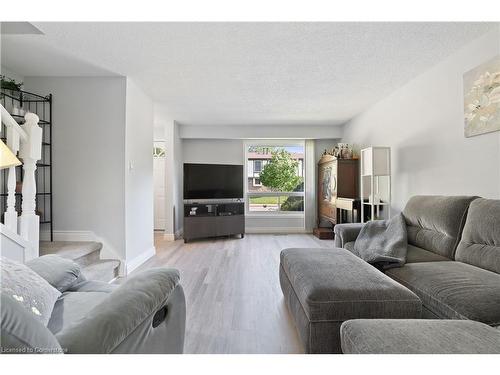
{"type": "Point", "coordinates": [234, 300]}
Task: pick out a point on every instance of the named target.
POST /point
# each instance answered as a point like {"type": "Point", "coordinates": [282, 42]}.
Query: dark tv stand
{"type": "Point", "coordinates": [204, 220]}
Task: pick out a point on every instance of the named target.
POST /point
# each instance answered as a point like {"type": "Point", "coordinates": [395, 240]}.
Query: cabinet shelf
{"type": "Point", "coordinates": [376, 204]}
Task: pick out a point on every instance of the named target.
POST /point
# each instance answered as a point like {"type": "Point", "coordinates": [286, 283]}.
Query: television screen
{"type": "Point", "coordinates": [213, 181]}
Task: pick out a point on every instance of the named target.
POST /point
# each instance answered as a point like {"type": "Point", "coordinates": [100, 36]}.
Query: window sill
{"type": "Point", "coordinates": [274, 214]}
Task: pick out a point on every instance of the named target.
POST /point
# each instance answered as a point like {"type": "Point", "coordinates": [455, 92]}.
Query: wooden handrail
{"type": "Point", "coordinates": [9, 121]}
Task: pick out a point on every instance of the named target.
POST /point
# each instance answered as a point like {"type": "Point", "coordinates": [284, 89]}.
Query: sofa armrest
{"type": "Point", "coordinates": [346, 233]}
{"type": "Point", "coordinates": [133, 305]}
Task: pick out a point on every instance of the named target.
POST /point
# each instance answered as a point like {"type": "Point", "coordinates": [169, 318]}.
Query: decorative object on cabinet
{"type": "Point", "coordinates": [344, 151]}
{"type": "Point", "coordinates": [341, 151]}
{"type": "Point", "coordinates": [18, 102]}
{"type": "Point", "coordinates": [337, 178]}
{"type": "Point", "coordinates": [482, 98]}
{"type": "Point", "coordinates": [375, 183]}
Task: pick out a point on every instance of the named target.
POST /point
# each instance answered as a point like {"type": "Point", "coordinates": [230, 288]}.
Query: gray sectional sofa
{"type": "Point", "coordinates": [452, 267]}
{"type": "Point", "coordinates": [146, 314]}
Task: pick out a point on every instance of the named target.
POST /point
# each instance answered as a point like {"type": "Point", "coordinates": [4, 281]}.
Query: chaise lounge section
{"type": "Point", "coordinates": [325, 287]}
{"type": "Point", "coordinates": [387, 336]}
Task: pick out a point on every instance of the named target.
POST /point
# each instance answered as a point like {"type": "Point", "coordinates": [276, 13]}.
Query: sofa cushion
{"type": "Point", "coordinates": [93, 286]}
{"type": "Point", "coordinates": [333, 284]}
{"type": "Point", "coordinates": [350, 246]}
{"type": "Point", "coordinates": [453, 290]}
{"type": "Point", "coordinates": [416, 336]}
{"type": "Point", "coordinates": [480, 242]}
{"type": "Point", "coordinates": [434, 223]}
{"type": "Point", "coordinates": [73, 306]}
{"type": "Point", "coordinates": [416, 255]}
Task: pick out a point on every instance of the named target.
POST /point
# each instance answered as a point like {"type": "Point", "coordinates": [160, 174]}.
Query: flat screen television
{"type": "Point", "coordinates": [213, 181]}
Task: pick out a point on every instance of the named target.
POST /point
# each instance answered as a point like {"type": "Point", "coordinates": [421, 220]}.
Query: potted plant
{"type": "Point", "coordinates": [10, 84]}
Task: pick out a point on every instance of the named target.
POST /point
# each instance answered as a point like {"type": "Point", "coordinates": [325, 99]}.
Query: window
{"type": "Point", "coordinates": [275, 174]}
{"type": "Point", "coordinates": [256, 182]}
{"type": "Point", "coordinates": [257, 166]}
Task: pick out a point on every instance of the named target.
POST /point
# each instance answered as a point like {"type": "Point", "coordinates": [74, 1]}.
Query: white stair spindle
{"type": "Point", "coordinates": [30, 152]}
{"type": "Point", "coordinates": [10, 216]}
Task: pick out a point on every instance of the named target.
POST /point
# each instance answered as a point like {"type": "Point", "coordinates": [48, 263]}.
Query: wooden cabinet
{"type": "Point", "coordinates": [337, 178]}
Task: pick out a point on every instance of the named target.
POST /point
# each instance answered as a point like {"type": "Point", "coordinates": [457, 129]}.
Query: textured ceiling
{"type": "Point", "coordinates": [246, 73]}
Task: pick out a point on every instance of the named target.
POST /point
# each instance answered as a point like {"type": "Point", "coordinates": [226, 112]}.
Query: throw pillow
{"type": "Point", "coordinates": [28, 288]}
{"type": "Point", "coordinates": [59, 272]}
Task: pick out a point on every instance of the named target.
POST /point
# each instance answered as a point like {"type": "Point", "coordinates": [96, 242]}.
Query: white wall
{"type": "Point", "coordinates": [138, 176]}
{"type": "Point", "coordinates": [89, 156]}
{"type": "Point", "coordinates": [215, 151]}
{"type": "Point", "coordinates": [101, 127]}
{"type": "Point", "coordinates": [423, 123]}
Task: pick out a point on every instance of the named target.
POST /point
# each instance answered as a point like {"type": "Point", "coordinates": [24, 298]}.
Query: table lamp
{"type": "Point", "coordinates": [7, 157]}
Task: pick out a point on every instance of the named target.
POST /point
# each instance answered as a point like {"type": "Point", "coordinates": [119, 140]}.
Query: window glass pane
{"type": "Point", "coordinates": [265, 203]}
{"type": "Point", "coordinates": [292, 204]}
{"type": "Point", "coordinates": [277, 168]}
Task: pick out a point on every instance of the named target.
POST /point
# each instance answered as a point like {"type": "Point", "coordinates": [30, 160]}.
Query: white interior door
{"type": "Point", "coordinates": [159, 185]}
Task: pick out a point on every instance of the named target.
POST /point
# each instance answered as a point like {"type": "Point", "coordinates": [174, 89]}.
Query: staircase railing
{"type": "Point", "coordinates": [25, 141]}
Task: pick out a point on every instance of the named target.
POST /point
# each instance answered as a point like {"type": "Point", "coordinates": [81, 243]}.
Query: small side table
{"type": "Point", "coordinates": [348, 210]}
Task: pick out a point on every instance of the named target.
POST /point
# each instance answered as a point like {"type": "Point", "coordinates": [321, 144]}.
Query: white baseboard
{"type": "Point", "coordinates": [275, 230]}
{"type": "Point", "coordinates": [69, 235]}
{"type": "Point", "coordinates": [139, 260]}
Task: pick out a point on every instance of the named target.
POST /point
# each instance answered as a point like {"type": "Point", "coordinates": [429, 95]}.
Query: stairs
{"type": "Point", "coordinates": [87, 256]}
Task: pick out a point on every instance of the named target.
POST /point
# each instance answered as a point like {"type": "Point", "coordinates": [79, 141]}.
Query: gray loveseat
{"type": "Point", "coordinates": [453, 266]}
{"type": "Point", "coordinates": [146, 314]}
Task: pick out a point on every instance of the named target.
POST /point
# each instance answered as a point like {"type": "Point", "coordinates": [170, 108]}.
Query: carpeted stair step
{"type": "Point", "coordinates": [83, 253]}
{"type": "Point", "coordinates": [103, 270]}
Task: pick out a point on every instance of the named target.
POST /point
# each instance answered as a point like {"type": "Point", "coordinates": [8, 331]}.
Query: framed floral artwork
{"type": "Point", "coordinates": [482, 98]}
